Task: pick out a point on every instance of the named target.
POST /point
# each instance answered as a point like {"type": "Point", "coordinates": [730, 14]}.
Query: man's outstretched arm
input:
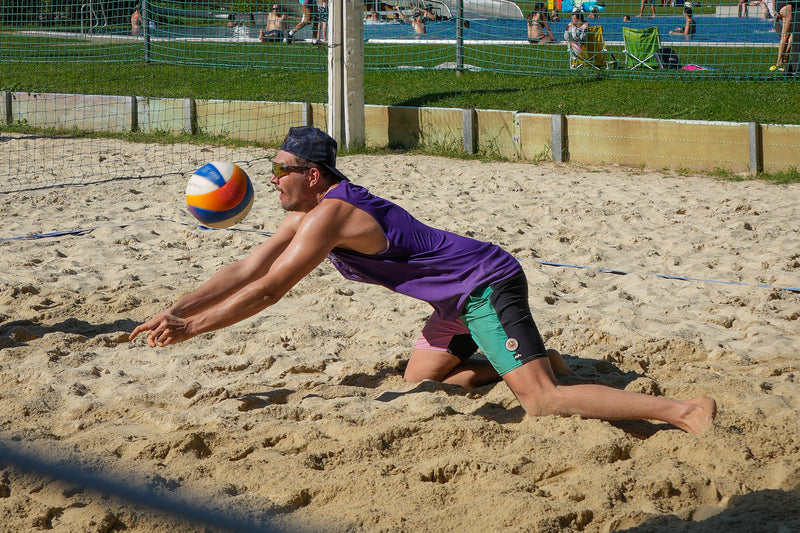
{"type": "Point", "coordinates": [268, 279]}
{"type": "Point", "coordinates": [229, 279]}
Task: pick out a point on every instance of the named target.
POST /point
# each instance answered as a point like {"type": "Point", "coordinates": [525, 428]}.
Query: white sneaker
{"type": "Point", "coordinates": [315, 41]}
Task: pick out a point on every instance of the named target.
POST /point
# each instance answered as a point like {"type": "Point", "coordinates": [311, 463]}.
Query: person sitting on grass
{"type": "Point", "coordinates": [576, 32]}
{"type": "Point", "coordinates": [539, 31]}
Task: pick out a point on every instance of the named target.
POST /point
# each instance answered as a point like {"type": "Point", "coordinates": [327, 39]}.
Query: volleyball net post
{"type": "Point", "coordinates": [346, 73]}
{"type": "Point", "coordinates": [146, 29]}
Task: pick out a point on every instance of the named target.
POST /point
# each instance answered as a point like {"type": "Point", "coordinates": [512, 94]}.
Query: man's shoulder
{"type": "Point", "coordinates": [342, 224]}
{"type": "Point", "coordinates": [292, 220]}
{"type": "Point", "coordinates": [328, 213]}
{"type": "Point", "coordinates": [345, 201]}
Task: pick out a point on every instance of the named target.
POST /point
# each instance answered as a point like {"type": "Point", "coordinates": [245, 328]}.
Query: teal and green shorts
{"type": "Point", "coordinates": [497, 319]}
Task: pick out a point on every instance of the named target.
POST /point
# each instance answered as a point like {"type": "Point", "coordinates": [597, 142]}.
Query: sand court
{"type": "Point", "coordinates": [300, 415]}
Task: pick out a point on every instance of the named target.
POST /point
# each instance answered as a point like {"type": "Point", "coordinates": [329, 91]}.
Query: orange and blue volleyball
{"type": "Point", "coordinates": [219, 194]}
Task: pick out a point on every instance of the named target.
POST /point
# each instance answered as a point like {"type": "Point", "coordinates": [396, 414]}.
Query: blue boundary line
{"type": "Point", "coordinates": [84, 231]}
{"type": "Point", "coordinates": [668, 276]}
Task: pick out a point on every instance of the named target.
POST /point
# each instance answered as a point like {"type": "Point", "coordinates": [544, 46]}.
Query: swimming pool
{"type": "Point", "coordinates": [711, 31]}
{"type": "Point", "coordinates": [728, 30]}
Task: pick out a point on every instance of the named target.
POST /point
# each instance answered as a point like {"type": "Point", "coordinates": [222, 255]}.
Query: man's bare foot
{"type": "Point", "coordinates": [558, 364]}
{"type": "Point", "coordinates": [701, 417]}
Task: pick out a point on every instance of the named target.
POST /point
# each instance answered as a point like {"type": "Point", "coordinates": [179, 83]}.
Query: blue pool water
{"type": "Point", "coordinates": [709, 29]}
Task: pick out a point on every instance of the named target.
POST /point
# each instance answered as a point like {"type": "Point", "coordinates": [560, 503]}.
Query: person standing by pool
{"type": "Point", "coordinates": [136, 22]}
{"type": "Point", "coordinates": [743, 6]}
{"type": "Point", "coordinates": [652, 9]}
{"type": "Point", "coordinates": [786, 17]}
{"type": "Point", "coordinates": [309, 16]}
{"type": "Point", "coordinates": [770, 9]}
{"type": "Point", "coordinates": [322, 18]}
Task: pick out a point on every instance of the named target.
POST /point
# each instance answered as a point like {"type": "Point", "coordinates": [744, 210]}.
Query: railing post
{"type": "Point", "coordinates": [306, 114]}
{"type": "Point", "coordinates": [189, 116]}
{"type": "Point", "coordinates": [469, 123]}
{"type": "Point", "coordinates": [756, 148]}
{"type": "Point", "coordinates": [7, 109]}
{"type": "Point", "coordinates": [560, 146]}
{"type": "Point", "coordinates": [132, 108]}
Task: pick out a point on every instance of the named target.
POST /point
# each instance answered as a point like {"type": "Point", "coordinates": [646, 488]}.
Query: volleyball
{"type": "Point", "coordinates": [219, 194]}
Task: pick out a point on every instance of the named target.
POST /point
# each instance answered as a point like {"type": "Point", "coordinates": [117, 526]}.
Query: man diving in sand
{"type": "Point", "coordinates": [478, 291]}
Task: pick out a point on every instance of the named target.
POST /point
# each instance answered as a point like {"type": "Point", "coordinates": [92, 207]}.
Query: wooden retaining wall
{"type": "Point", "coordinates": [654, 143]}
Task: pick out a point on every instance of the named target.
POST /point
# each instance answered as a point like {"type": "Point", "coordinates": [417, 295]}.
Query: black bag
{"type": "Point", "coordinates": [667, 58]}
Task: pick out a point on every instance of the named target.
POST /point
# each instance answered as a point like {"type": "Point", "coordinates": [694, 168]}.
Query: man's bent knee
{"type": "Point", "coordinates": [535, 386]}
{"type": "Point", "coordinates": [429, 364]}
{"type": "Point", "coordinates": [540, 405]}
{"type": "Point", "coordinates": [413, 376]}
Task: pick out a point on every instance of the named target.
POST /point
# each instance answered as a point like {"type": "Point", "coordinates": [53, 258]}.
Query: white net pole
{"type": "Point", "coordinates": [346, 72]}
{"type": "Point", "coordinates": [353, 76]}
{"type": "Point", "coordinates": [335, 70]}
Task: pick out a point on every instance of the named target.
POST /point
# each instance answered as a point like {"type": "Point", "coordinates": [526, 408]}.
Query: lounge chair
{"type": "Point", "coordinates": [592, 53]}
{"type": "Point", "coordinates": [641, 47]}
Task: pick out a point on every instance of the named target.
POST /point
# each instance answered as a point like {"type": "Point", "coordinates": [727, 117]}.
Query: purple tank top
{"type": "Point", "coordinates": [426, 263]}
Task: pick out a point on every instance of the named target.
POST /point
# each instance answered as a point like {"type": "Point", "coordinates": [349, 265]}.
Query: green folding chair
{"type": "Point", "coordinates": [641, 47]}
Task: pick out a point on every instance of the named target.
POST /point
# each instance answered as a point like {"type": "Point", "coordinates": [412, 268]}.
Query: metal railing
{"type": "Point", "coordinates": [96, 18]}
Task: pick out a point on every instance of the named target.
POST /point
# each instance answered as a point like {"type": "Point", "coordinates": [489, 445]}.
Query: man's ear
{"type": "Point", "coordinates": [316, 176]}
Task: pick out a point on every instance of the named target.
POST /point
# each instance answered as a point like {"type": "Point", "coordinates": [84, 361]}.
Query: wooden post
{"type": "Point", "coordinates": [189, 116]}
{"type": "Point", "coordinates": [469, 122]}
{"type": "Point", "coordinates": [560, 141]}
{"type": "Point", "coordinates": [756, 148]}
{"type": "Point", "coordinates": [132, 109]}
{"type": "Point", "coordinates": [6, 106]}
